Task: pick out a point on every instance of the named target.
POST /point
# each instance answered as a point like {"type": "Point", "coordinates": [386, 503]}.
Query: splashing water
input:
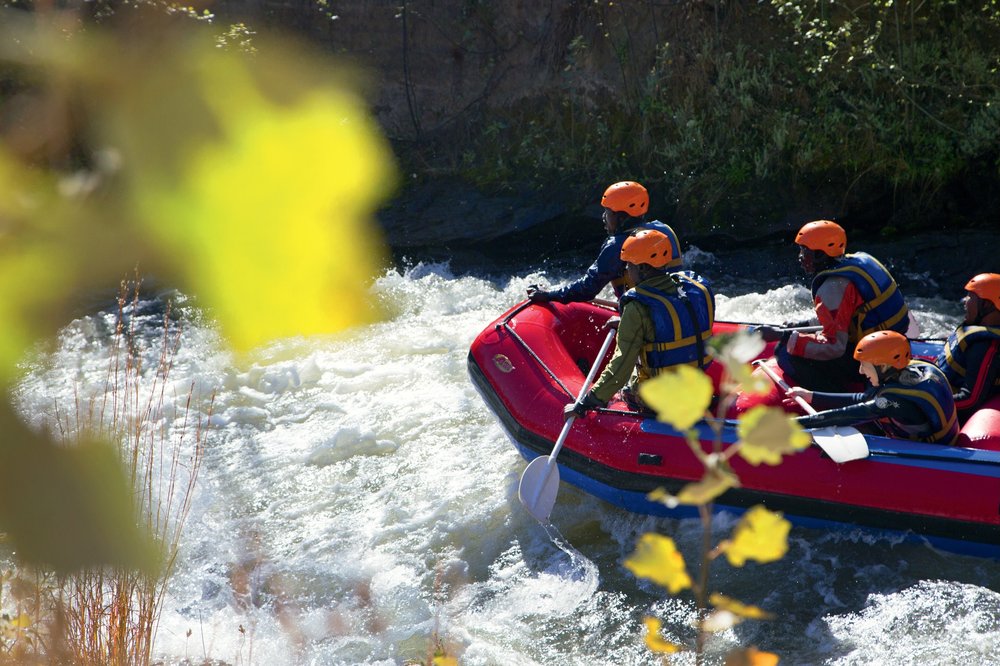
{"type": "Point", "coordinates": [357, 496]}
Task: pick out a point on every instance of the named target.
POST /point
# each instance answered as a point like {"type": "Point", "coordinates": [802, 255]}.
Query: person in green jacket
{"type": "Point", "coordinates": [666, 321]}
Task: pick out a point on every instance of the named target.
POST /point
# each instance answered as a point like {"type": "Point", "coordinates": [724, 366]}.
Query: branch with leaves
{"type": "Point", "coordinates": [681, 398]}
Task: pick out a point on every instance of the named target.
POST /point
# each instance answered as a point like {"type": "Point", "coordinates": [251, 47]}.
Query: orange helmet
{"type": "Point", "coordinates": [648, 246]}
{"type": "Point", "coordinates": [823, 236]}
{"type": "Point", "coordinates": [884, 348]}
{"type": "Point", "coordinates": [986, 286]}
{"type": "Point", "coordinates": [626, 197]}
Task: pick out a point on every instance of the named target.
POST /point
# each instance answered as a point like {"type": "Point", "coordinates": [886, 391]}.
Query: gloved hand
{"type": "Point", "coordinates": [538, 295]}
{"type": "Point", "coordinates": [770, 333]}
{"type": "Point", "coordinates": [612, 323]}
{"type": "Point", "coordinates": [581, 408]}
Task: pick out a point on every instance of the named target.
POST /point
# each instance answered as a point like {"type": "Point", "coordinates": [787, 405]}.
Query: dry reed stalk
{"type": "Point", "coordinates": [109, 615]}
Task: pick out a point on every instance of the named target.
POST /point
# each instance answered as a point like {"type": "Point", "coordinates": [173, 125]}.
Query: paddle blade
{"type": "Point", "coordinates": [539, 487]}
{"type": "Point", "coordinates": [841, 444]}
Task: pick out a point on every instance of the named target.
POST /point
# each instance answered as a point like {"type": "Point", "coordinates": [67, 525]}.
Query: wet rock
{"type": "Point", "coordinates": [446, 212]}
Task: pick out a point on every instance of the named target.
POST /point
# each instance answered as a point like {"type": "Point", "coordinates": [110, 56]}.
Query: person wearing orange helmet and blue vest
{"type": "Point", "coordinates": [666, 321]}
{"type": "Point", "coordinates": [625, 207]}
{"type": "Point", "coordinates": [908, 399]}
{"type": "Point", "coordinates": [969, 358]}
{"type": "Point", "coordinates": [854, 295]}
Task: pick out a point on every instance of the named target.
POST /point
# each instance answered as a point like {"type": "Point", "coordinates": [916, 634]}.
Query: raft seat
{"type": "Point", "coordinates": [982, 430]}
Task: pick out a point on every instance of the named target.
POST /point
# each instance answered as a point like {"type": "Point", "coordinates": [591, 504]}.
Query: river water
{"type": "Point", "coordinates": [357, 497]}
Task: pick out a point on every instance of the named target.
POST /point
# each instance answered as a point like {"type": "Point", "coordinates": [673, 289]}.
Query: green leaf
{"type": "Point", "coordinates": [68, 507]}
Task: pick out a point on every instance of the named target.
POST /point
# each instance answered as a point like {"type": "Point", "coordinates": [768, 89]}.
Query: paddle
{"type": "Point", "coordinates": [842, 444]}
{"type": "Point", "coordinates": [801, 329]}
{"type": "Point", "coordinates": [540, 479]}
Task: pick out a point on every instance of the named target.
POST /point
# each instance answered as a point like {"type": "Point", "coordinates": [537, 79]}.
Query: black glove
{"type": "Point", "coordinates": [538, 295]}
{"type": "Point", "coordinates": [579, 409]}
{"type": "Point", "coordinates": [770, 333]}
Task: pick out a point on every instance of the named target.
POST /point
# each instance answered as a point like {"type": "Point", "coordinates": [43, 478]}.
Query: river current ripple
{"type": "Point", "coordinates": [357, 497]}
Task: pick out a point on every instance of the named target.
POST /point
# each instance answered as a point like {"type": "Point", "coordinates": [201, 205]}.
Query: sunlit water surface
{"type": "Point", "coordinates": [357, 497]}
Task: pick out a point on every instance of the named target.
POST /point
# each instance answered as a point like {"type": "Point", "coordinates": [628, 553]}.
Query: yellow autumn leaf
{"type": "Point", "coordinates": [748, 611]}
{"type": "Point", "coordinates": [654, 639]}
{"type": "Point", "coordinates": [735, 351]}
{"type": "Point", "coordinates": [741, 377]}
{"type": "Point", "coordinates": [718, 478]}
{"type": "Point", "coordinates": [679, 396]}
{"type": "Point", "coordinates": [766, 433]}
{"type": "Point", "coordinates": [761, 535]}
{"type": "Point", "coordinates": [751, 656]}
{"type": "Point", "coordinates": [656, 559]}
{"type": "Point", "coordinates": [271, 219]}
{"type": "Point", "coordinates": [445, 661]}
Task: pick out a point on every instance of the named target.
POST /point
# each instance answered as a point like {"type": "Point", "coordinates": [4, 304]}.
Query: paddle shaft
{"type": "Point", "coordinates": [801, 329]}
{"type": "Point", "coordinates": [783, 385]}
{"type": "Point", "coordinates": [569, 422]}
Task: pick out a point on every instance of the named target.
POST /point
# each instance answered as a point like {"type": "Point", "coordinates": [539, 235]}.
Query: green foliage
{"type": "Point", "coordinates": [734, 118]}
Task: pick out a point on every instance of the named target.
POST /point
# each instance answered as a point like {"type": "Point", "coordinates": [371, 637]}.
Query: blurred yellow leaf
{"type": "Point", "coordinates": [720, 620]}
{"type": "Point", "coordinates": [741, 377]}
{"type": "Point", "coordinates": [718, 478]}
{"type": "Point", "coordinates": [735, 351]}
{"type": "Point", "coordinates": [679, 396]}
{"type": "Point", "coordinates": [751, 656]}
{"type": "Point", "coordinates": [723, 602]}
{"type": "Point", "coordinates": [761, 535]}
{"type": "Point", "coordinates": [654, 639]}
{"type": "Point", "coordinates": [270, 221]}
{"type": "Point", "coordinates": [656, 559]}
{"type": "Point", "coordinates": [445, 661]}
{"type": "Point", "coordinates": [768, 432]}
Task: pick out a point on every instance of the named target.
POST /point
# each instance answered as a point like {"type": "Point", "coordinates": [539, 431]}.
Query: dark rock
{"type": "Point", "coordinates": [448, 212]}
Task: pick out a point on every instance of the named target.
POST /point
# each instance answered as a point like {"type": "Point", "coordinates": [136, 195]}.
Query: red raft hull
{"type": "Point", "coordinates": [530, 362]}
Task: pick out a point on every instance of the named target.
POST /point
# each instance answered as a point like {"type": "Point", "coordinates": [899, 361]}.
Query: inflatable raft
{"type": "Point", "coordinates": [532, 361]}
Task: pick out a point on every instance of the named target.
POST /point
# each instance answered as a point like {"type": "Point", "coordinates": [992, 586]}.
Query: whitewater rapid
{"type": "Point", "coordinates": [357, 497]}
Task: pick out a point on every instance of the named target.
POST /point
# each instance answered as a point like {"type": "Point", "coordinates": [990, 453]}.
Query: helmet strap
{"type": "Point", "coordinates": [886, 373]}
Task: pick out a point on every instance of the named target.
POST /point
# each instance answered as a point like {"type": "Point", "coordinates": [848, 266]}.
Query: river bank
{"type": "Point", "coordinates": [482, 235]}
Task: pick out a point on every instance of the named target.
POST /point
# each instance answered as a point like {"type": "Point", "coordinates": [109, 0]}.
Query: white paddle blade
{"type": "Point", "coordinates": [539, 487]}
{"type": "Point", "coordinates": [841, 444]}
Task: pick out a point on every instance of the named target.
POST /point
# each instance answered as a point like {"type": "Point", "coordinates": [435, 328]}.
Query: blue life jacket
{"type": "Point", "coordinates": [682, 322]}
{"type": "Point", "coordinates": [620, 283]}
{"type": "Point", "coordinates": [928, 388]}
{"type": "Point", "coordinates": [952, 357]}
{"type": "Point", "coordinates": [883, 307]}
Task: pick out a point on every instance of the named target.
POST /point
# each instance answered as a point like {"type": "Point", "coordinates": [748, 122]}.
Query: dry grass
{"type": "Point", "coordinates": [109, 615]}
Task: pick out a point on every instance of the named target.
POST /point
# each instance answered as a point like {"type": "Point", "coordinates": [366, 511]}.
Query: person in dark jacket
{"type": "Point", "coordinates": [969, 358]}
{"type": "Point", "coordinates": [666, 321]}
{"type": "Point", "coordinates": [625, 207]}
{"type": "Point", "coordinates": [908, 399]}
{"type": "Point", "coordinates": [854, 295]}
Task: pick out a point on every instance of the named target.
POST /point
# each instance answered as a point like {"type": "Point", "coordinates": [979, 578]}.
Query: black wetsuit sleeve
{"type": "Point", "coordinates": [864, 412]}
{"type": "Point", "coordinates": [982, 365]}
{"type": "Point", "coordinates": [606, 268]}
{"type": "Point", "coordinates": [822, 400]}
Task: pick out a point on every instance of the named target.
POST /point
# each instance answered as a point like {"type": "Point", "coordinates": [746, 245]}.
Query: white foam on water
{"type": "Point", "coordinates": [357, 495]}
